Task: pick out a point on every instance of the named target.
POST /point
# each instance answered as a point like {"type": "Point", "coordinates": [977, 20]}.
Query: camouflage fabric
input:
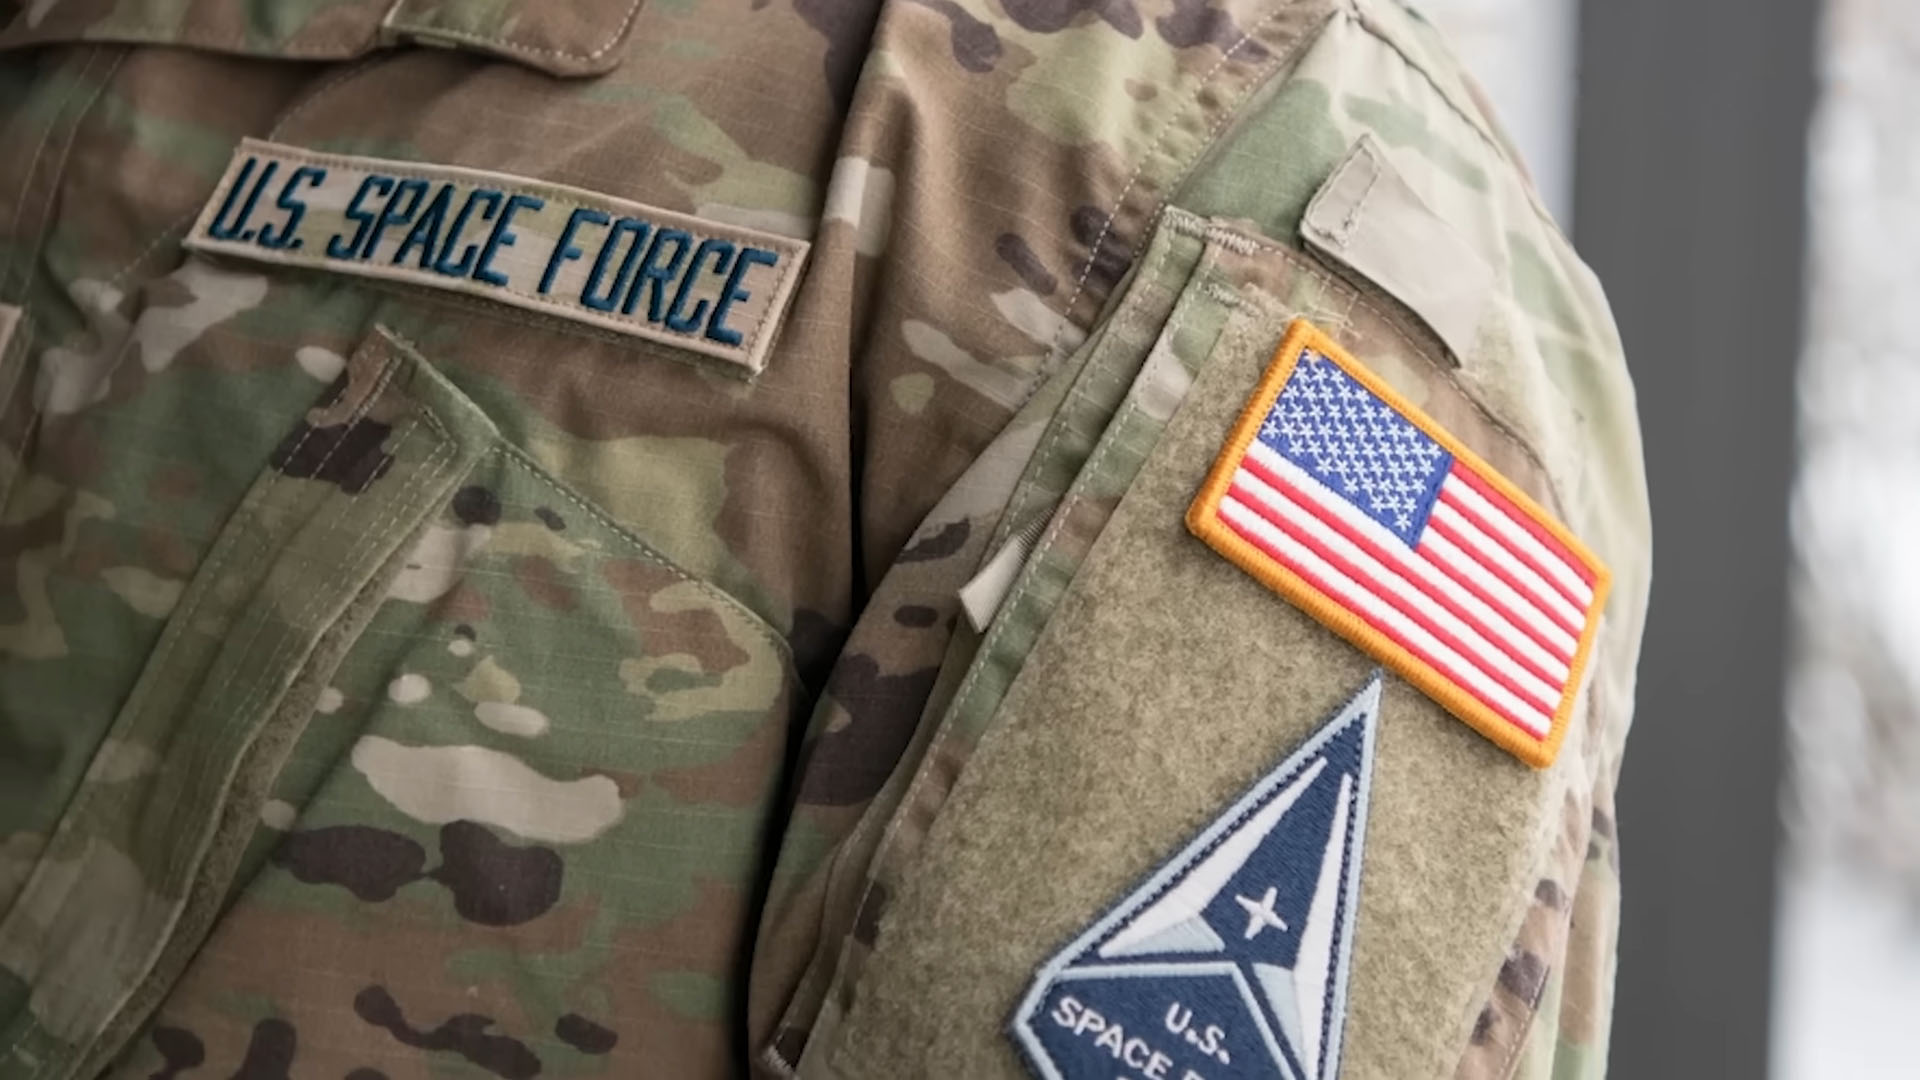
{"type": "Point", "coordinates": [398, 683]}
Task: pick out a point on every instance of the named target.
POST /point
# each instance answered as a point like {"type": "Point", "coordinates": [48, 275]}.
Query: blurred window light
{"type": "Point", "coordinates": [1848, 963]}
{"type": "Point", "coordinates": [1522, 52]}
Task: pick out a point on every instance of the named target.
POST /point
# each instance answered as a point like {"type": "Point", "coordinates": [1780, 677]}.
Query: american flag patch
{"type": "Point", "coordinates": [1340, 495]}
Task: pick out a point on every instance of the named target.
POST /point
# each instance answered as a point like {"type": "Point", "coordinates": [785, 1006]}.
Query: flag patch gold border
{"type": "Point", "coordinates": [1204, 519]}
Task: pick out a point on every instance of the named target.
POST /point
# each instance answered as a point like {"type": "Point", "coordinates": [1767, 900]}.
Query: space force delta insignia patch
{"type": "Point", "coordinates": [715, 289]}
{"type": "Point", "coordinates": [1338, 494]}
{"type": "Point", "coordinates": [1230, 962]}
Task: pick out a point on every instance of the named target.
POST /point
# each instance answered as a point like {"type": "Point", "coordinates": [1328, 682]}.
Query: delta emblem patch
{"type": "Point", "coordinates": [1230, 962]}
{"type": "Point", "coordinates": [1338, 494]}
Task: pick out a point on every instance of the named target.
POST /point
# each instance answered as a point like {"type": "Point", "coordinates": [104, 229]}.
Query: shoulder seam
{"type": "Point", "coordinates": [1367, 22]}
{"type": "Point", "coordinates": [1276, 63]}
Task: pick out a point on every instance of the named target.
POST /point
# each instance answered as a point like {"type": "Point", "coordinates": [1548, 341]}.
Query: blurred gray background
{"type": "Point", "coordinates": [1746, 179]}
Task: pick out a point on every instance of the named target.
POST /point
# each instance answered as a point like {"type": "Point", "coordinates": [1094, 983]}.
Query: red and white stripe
{"type": "Point", "coordinates": [1487, 598]}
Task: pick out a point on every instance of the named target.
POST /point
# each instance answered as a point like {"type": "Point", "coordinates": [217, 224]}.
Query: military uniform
{"type": "Point", "coordinates": [645, 537]}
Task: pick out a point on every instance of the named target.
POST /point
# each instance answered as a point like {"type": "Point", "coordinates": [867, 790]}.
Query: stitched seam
{"type": "Point", "coordinates": [80, 79]}
{"type": "Point", "coordinates": [1221, 295]}
{"type": "Point", "coordinates": [33, 167]}
{"type": "Point", "coordinates": [539, 472]}
{"type": "Point", "coordinates": [429, 467]}
{"type": "Point", "coordinates": [611, 202]}
{"type": "Point", "coordinates": [1132, 315]}
{"type": "Point", "coordinates": [66, 824]}
{"type": "Point", "coordinates": [782, 297]}
{"type": "Point", "coordinates": [1181, 168]}
{"type": "Point", "coordinates": [1532, 1013]}
{"type": "Point", "coordinates": [359, 414]}
{"type": "Point", "coordinates": [616, 330]}
{"type": "Point", "coordinates": [326, 87]}
{"type": "Point", "coordinates": [1392, 324]}
{"type": "Point", "coordinates": [1232, 239]}
{"type": "Point", "coordinates": [186, 220]}
{"type": "Point", "coordinates": [429, 417]}
{"type": "Point", "coordinates": [240, 42]}
{"type": "Point", "coordinates": [771, 1058]}
{"type": "Point", "coordinates": [513, 315]}
{"type": "Point", "coordinates": [635, 327]}
{"type": "Point", "coordinates": [273, 480]}
{"type": "Point", "coordinates": [1494, 420]}
{"type": "Point", "coordinates": [150, 33]}
{"type": "Point", "coordinates": [7, 392]}
{"type": "Point", "coordinates": [38, 409]}
{"type": "Point", "coordinates": [260, 685]}
{"type": "Point", "coordinates": [258, 689]}
{"type": "Point", "coordinates": [1535, 747]}
{"type": "Point", "coordinates": [559, 196]}
{"type": "Point", "coordinates": [1367, 24]}
{"type": "Point", "coordinates": [646, 551]}
{"type": "Point", "coordinates": [1129, 317]}
{"type": "Point", "coordinates": [1348, 227]}
{"type": "Point", "coordinates": [1577, 849]}
{"type": "Point", "coordinates": [1053, 529]}
{"type": "Point", "coordinates": [1237, 244]}
{"type": "Point", "coordinates": [21, 348]}
{"type": "Point", "coordinates": [985, 657]}
{"type": "Point", "coordinates": [171, 231]}
{"type": "Point", "coordinates": [31, 251]}
{"type": "Point", "coordinates": [502, 41]}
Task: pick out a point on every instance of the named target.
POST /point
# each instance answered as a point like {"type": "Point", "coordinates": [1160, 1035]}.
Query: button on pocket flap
{"type": "Point", "coordinates": [576, 38]}
{"type": "Point", "coordinates": [1367, 219]}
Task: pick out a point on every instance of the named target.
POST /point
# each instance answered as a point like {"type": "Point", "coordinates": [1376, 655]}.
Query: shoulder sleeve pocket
{"type": "Point", "coordinates": [1156, 689]}
{"type": "Point", "coordinates": [1368, 220]}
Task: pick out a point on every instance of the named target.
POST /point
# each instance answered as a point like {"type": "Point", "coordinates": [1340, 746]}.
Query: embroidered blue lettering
{"type": "Point", "coordinates": [503, 236]}
{"type": "Point", "coordinates": [425, 234]}
{"type": "Point", "coordinates": [492, 200]}
{"type": "Point", "coordinates": [621, 290]}
{"type": "Point", "coordinates": [654, 277]}
{"type": "Point", "coordinates": [220, 228]}
{"type": "Point", "coordinates": [679, 319]}
{"type": "Point", "coordinates": [564, 251]}
{"type": "Point", "coordinates": [374, 183]}
{"type": "Point", "coordinates": [707, 287]}
{"type": "Point", "coordinates": [732, 293]}
{"type": "Point", "coordinates": [295, 207]}
{"type": "Point", "coordinates": [401, 205]}
{"type": "Point", "coordinates": [236, 228]}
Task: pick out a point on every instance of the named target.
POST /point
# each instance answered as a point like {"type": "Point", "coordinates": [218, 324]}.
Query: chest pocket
{"type": "Point", "coordinates": [499, 580]}
{"type": "Point", "coordinates": [1132, 684]}
{"type": "Point", "coordinates": [440, 746]}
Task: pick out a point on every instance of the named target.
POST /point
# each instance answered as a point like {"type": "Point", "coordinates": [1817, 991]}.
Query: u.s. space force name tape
{"type": "Point", "coordinates": [709, 287]}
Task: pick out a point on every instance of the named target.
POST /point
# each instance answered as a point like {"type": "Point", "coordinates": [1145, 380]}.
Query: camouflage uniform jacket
{"type": "Point", "coordinates": [400, 680]}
